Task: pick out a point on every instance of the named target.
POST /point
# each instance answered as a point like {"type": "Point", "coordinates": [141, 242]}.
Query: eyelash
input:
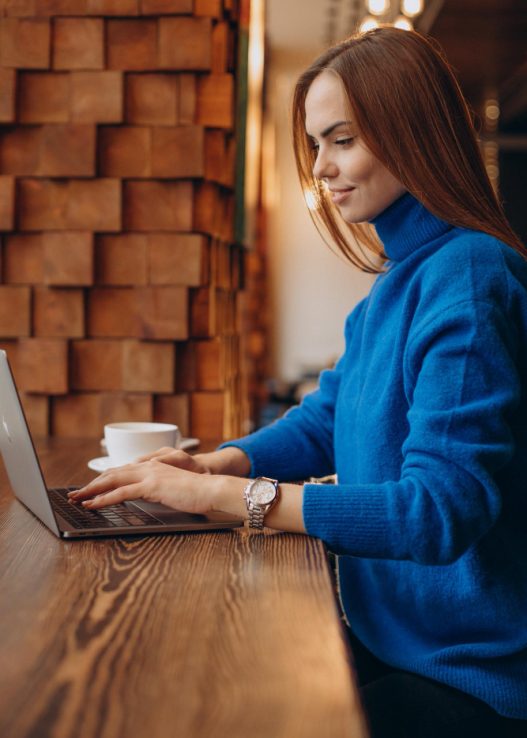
{"type": "Point", "coordinates": [345, 141]}
{"type": "Point", "coordinates": [339, 142]}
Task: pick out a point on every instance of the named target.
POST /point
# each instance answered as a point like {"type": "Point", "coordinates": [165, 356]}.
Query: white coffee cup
{"type": "Point", "coordinates": [125, 442]}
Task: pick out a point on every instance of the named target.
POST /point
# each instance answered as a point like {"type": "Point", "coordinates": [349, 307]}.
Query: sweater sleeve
{"type": "Point", "coordinates": [462, 385]}
{"type": "Point", "coordinates": [300, 444]}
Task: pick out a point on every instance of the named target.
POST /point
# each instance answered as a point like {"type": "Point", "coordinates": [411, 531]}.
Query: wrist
{"type": "Point", "coordinates": [227, 495]}
{"type": "Point", "coordinates": [230, 461]}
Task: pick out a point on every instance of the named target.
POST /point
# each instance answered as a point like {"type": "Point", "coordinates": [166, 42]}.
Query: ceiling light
{"type": "Point", "coordinates": [368, 24]}
{"type": "Point", "coordinates": [378, 7]}
{"type": "Point", "coordinates": [412, 8]}
{"type": "Point", "coordinates": [403, 23]}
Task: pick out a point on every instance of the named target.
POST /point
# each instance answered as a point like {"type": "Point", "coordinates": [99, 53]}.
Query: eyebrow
{"type": "Point", "coordinates": [326, 132]}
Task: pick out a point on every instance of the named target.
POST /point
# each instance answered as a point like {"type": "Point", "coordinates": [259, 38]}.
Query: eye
{"type": "Point", "coordinates": [345, 141]}
{"type": "Point", "coordinates": [313, 145]}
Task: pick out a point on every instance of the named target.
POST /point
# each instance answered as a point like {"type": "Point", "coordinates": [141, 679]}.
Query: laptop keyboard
{"type": "Point", "coordinates": [109, 517]}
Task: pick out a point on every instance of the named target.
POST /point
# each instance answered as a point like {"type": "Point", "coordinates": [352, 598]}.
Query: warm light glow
{"type": "Point", "coordinates": [253, 130]}
{"type": "Point", "coordinates": [412, 8]}
{"type": "Point", "coordinates": [378, 7]}
{"type": "Point", "coordinates": [368, 24]}
{"type": "Point", "coordinates": [311, 199]}
{"type": "Point", "coordinates": [403, 23]}
{"type": "Point", "coordinates": [492, 110]}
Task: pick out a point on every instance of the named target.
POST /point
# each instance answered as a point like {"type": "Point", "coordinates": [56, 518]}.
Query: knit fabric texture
{"type": "Point", "coordinates": [424, 420]}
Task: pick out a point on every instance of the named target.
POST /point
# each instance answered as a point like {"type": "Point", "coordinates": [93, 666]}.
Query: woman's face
{"type": "Point", "coordinates": [359, 185]}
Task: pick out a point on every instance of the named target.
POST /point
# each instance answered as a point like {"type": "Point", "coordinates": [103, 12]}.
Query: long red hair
{"type": "Point", "coordinates": [412, 116]}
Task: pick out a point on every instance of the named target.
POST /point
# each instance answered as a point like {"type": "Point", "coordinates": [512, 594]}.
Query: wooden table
{"type": "Point", "coordinates": [220, 634]}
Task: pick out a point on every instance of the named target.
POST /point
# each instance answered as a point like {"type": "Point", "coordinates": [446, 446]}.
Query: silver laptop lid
{"type": "Point", "coordinates": [17, 449]}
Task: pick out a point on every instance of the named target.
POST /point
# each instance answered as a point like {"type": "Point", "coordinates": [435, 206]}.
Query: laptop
{"type": "Point", "coordinates": [51, 506]}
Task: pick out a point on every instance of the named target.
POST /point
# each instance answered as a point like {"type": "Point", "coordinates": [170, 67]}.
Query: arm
{"type": "Point", "coordinates": [300, 444]}
{"type": "Point", "coordinates": [188, 491]}
{"type": "Point", "coordinates": [463, 389]}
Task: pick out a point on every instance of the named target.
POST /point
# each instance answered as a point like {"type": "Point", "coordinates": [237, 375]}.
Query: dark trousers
{"type": "Point", "coordinates": [399, 704]}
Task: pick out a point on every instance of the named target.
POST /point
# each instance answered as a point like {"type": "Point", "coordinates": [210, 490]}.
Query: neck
{"type": "Point", "coordinates": [406, 225]}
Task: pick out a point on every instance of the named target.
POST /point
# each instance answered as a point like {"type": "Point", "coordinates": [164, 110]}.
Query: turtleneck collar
{"type": "Point", "coordinates": [406, 225]}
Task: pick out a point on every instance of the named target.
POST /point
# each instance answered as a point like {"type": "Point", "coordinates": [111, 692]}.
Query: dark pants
{"type": "Point", "coordinates": [399, 704]}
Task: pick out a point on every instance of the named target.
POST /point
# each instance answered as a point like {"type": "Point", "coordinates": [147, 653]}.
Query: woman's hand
{"type": "Point", "coordinates": [175, 457]}
{"type": "Point", "coordinates": [155, 481]}
{"type": "Point", "coordinates": [230, 460]}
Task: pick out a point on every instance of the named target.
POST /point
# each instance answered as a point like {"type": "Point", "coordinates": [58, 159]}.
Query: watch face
{"type": "Point", "coordinates": [262, 492]}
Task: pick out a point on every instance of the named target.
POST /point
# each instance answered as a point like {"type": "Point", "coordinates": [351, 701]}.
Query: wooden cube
{"type": "Point", "coordinates": [68, 258]}
{"type": "Point", "coordinates": [215, 101]}
{"type": "Point", "coordinates": [151, 99]}
{"type": "Point", "coordinates": [11, 349]}
{"type": "Point", "coordinates": [184, 43]}
{"type": "Point", "coordinates": [44, 97]}
{"type": "Point", "coordinates": [122, 259]}
{"type": "Point", "coordinates": [42, 204]}
{"type": "Point", "coordinates": [58, 313]}
{"type": "Point", "coordinates": [210, 8]}
{"type": "Point", "coordinates": [111, 7]}
{"type": "Point", "coordinates": [173, 409]}
{"type": "Point", "coordinates": [178, 152]}
{"type": "Point", "coordinates": [78, 43]}
{"type": "Point", "coordinates": [48, 8]}
{"type": "Point", "coordinates": [202, 312]}
{"type": "Point", "coordinates": [210, 364]}
{"type": "Point", "coordinates": [15, 311]}
{"type": "Point", "coordinates": [94, 205]}
{"type": "Point", "coordinates": [7, 203]}
{"type": "Point", "coordinates": [20, 150]}
{"type": "Point", "coordinates": [113, 312]}
{"type": "Point", "coordinates": [221, 48]}
{"type": "Point", "coordinates": [67, 151]}
{"type": "Point", "coordinates": [187, 98]}
{"type": "Point", "coordinates": [177, 258]}
{"type": "Point", "coordinates": [219, 162]}
{"type": "Point", "coordinates": [164, 313]}
{"type": "Point", "coordinates": [125, 151]}
{"type": "Point", "coordinates": [96, 97]}
{"type": "Point", "coordinates": [148, 366]}
{"type": "Point", "coordinates": [84, 415]}
{"type": "Point", "coordinates": [18, 8]}
{"type": "Point", "coordinates": [43, 366]}
{"type": "Point", "coordinates": [7, 95]}
{"type": "Point", "coordinates": [36, 410]}
{"type": "Point", "coordinates": [207, 411]}
{"type": "Point", "coordinates": [131, 44]}
{"type": "Point", "coordinates": [157, 206]}
{"type": "Point", "coordinates": [23, 259]}
{"type": "Point", "coordinates": [160, 7]}
{"type": "Point", "coordinates": [97, 365]}
{"type": "Point", "coordinates": [24, 43]}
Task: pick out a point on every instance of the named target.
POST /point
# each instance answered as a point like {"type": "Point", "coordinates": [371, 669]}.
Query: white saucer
{"type": "Point", "coordinates": [102, 463]}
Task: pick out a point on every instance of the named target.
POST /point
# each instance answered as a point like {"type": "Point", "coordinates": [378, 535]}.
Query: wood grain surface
{"type": "Point", "coordinates": [219, 634]}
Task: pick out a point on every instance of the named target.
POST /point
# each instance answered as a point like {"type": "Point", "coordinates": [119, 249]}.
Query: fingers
{"type": "Point", "coordinates": [128, 492]}
{"type": "Point", "coordinates": [164, 451]}
{"type": "Point", "coordinates": [105, 482]}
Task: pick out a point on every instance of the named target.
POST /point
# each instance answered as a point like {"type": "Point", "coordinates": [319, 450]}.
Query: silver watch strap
{"type": "Point", "coordinates": [256, 517]}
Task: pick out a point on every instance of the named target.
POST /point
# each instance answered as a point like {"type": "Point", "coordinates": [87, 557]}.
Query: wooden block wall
{"type": "Point", "coordinates": [119, 280]}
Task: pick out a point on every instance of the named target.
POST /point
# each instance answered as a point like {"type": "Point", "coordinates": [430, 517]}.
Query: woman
{"type": "Point", "coordinates": [424, 416]}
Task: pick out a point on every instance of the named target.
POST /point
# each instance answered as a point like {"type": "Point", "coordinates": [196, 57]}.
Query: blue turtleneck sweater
{"type": "Point", "coordinates": [424, 419]}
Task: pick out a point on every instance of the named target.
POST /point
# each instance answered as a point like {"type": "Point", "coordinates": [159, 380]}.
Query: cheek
{"type": "Point", "coordinates": [361, 165]}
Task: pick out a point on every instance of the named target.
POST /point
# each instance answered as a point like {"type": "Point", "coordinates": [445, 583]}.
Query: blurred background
{"type": "Point", "coordinates": [158, 261]}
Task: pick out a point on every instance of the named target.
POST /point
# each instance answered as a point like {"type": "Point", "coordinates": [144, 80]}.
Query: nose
{"type": "Point", "coordinates": [323, 167]}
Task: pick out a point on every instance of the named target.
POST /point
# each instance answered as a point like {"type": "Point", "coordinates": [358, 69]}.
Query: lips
{"type": "Point", "coordinates": [338, 196]}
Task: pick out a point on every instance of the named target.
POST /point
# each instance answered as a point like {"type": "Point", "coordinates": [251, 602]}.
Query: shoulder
{"type": "Point", "coordinates": [473, 266]}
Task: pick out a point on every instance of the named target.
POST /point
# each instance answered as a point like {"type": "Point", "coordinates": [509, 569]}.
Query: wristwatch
{"type": "Point", "coordinates": [260, 496]}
